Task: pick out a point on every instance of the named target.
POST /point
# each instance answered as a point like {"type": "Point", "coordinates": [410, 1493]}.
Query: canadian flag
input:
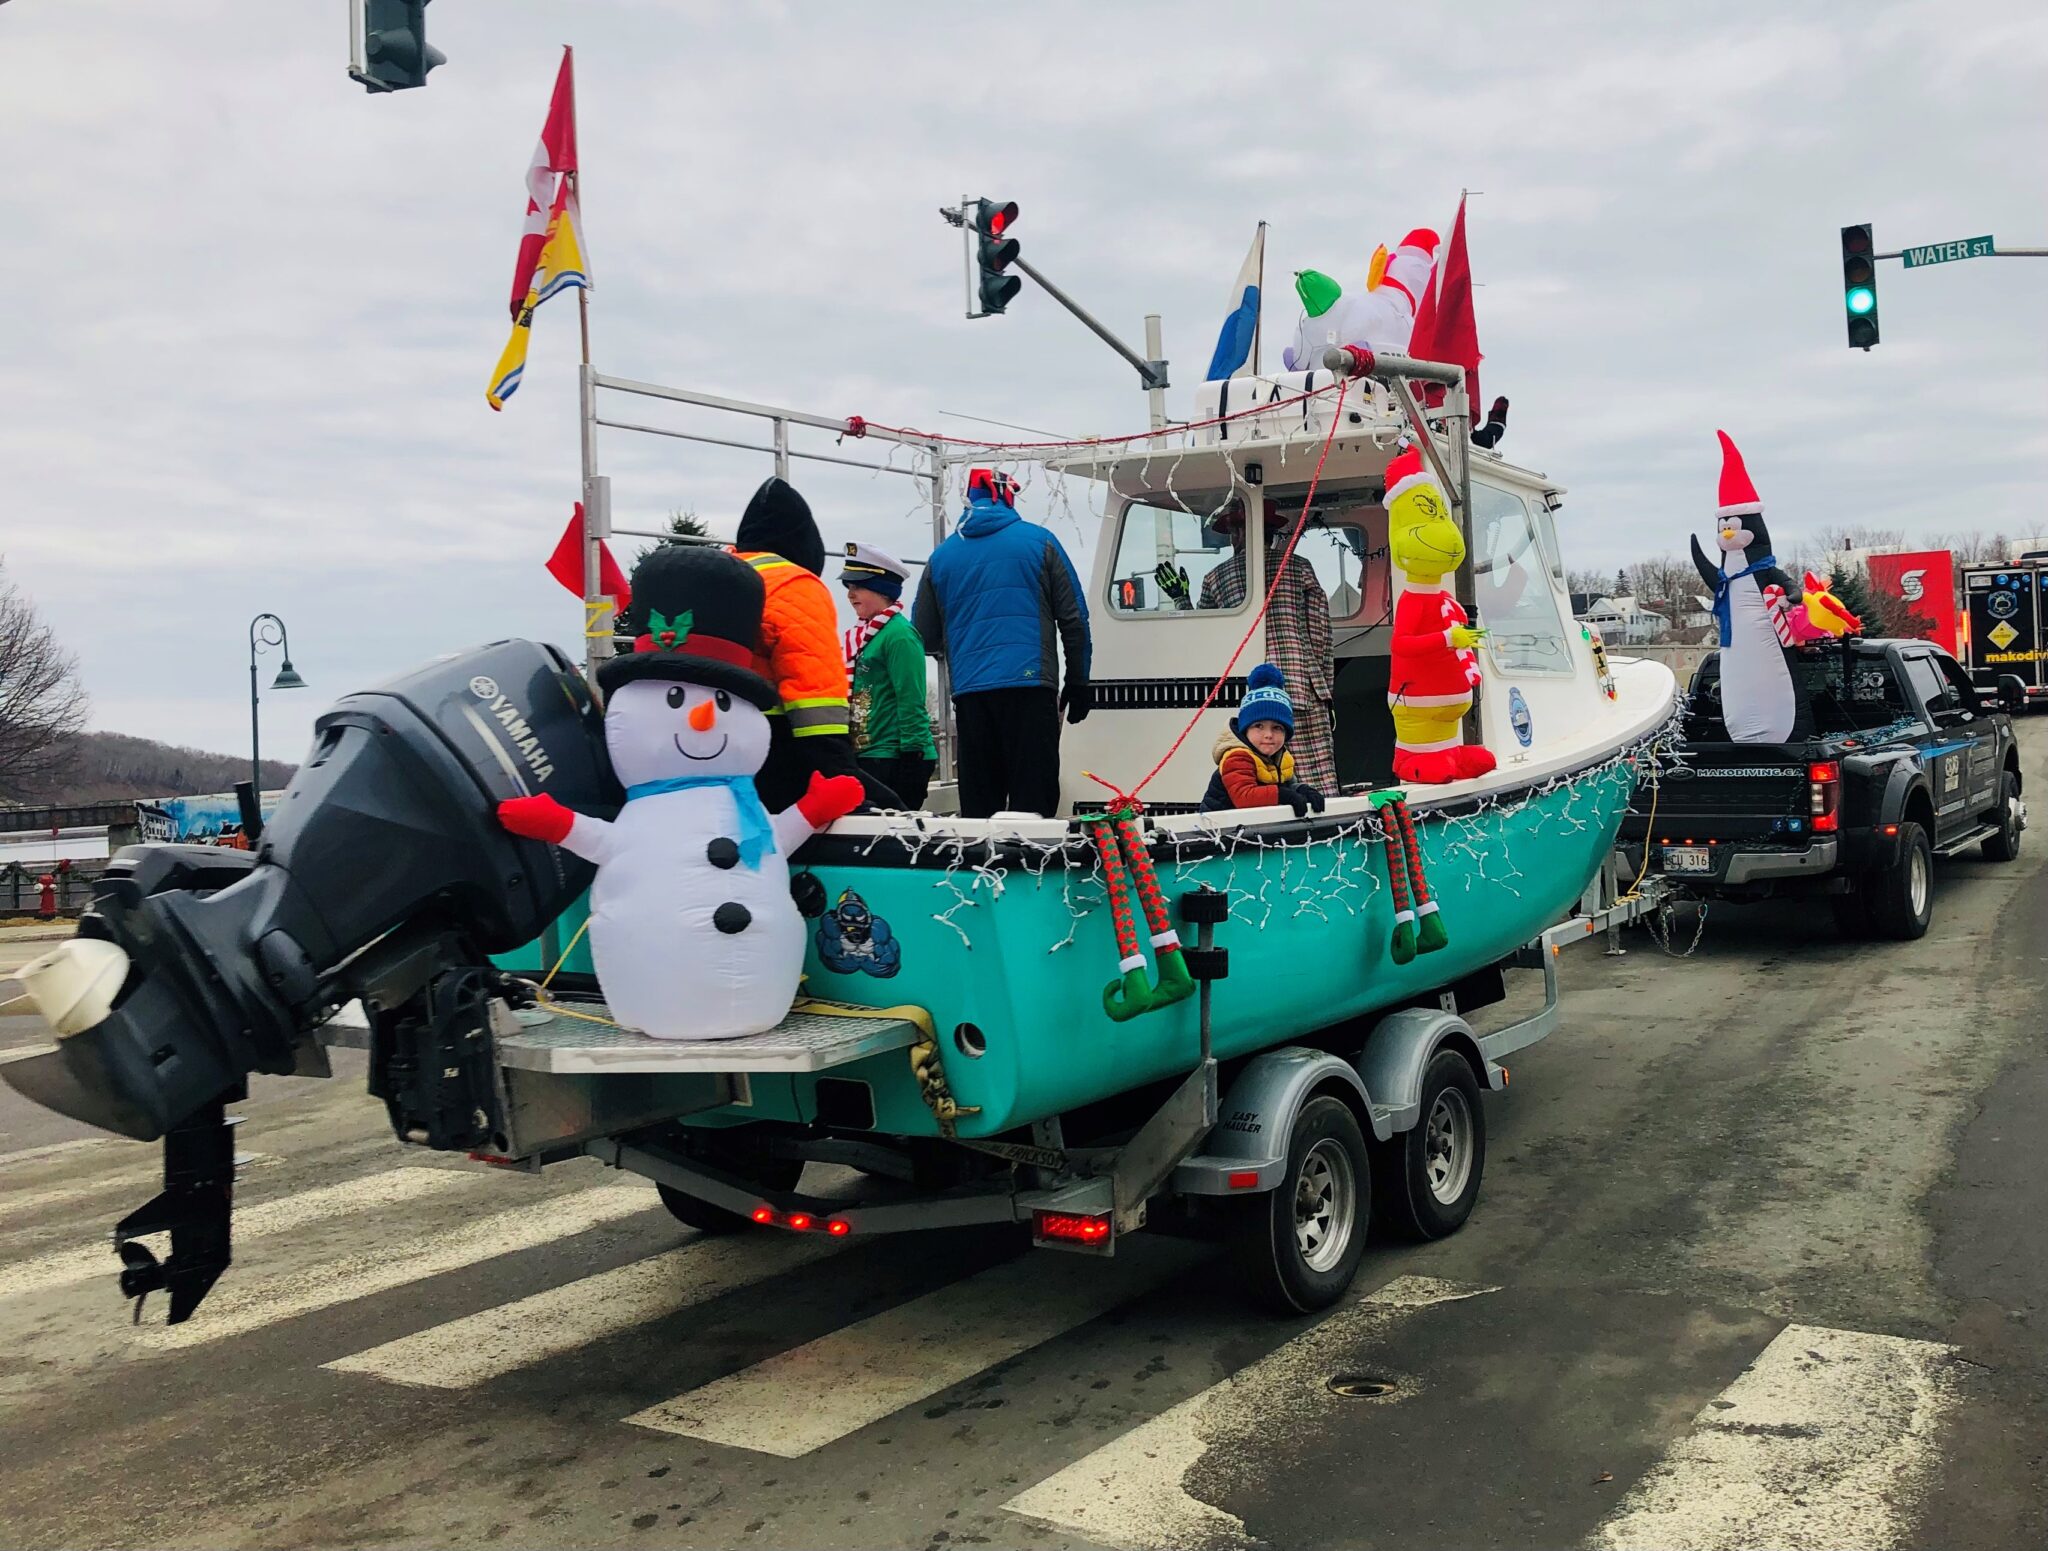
{"type": "Point", "coordinates": [555, 155]}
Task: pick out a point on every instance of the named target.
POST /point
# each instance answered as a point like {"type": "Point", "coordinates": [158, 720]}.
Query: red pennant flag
{"type": "Point", "coordinates": [555, 154]}
{"type": "Point", "coordinates": [565, 565]}
{"type": "Point", "coordinates": [1445, 329]}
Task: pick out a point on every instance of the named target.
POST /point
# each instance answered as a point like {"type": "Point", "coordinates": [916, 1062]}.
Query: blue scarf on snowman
{"type": "Point", "coordinates": [756, 836]}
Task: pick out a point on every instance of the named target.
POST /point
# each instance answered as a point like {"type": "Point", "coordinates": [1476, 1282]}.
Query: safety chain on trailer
{"type": "Point", "coordinates": [1659, 923]}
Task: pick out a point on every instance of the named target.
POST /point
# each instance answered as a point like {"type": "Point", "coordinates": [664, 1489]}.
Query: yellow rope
{"type": "Point", "coordinates": [1635, 889]}
{"type": "Point", "coordinates": [556, 1009]}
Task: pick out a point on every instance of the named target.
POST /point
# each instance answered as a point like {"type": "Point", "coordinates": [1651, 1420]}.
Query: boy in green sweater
{"type": "Point", "coordinates": [892, 730]}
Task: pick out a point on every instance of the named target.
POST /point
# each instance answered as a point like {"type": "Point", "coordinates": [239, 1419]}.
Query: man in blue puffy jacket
{"type": "Point", "coordinates": [1000, 603]}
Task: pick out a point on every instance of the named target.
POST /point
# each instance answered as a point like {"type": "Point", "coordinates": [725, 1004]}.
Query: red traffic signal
{"type": "Point", "coordinates": [992, 219]}
{"type": "Point", "coordinates": [995, 252]}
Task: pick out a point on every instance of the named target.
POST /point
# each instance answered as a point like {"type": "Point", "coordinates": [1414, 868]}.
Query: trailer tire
{"type": "Point", "coordinates": [2005, 845]}
{"type": "Point", "coordinates": [1902, 895]}
{"type": "Point", "coordinates": [1426, 1180]}
{"type": "Point", "coordinates": [776, 1174]}
{"type": "Point", "coordinates": [1297, 1247]}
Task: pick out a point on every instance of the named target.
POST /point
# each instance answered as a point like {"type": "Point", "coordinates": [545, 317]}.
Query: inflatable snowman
{"type": "Point", "coordinates": [1381, 317]}
{"type": "Point", "coordinates": [692, 927]}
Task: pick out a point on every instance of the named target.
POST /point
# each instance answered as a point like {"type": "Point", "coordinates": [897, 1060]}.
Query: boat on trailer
{"type": "Point", "coordinates": [972, 1035]}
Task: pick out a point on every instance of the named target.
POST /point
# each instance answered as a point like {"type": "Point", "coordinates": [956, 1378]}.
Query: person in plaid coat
{"type": "Point", "coordinates": [1297, 641]}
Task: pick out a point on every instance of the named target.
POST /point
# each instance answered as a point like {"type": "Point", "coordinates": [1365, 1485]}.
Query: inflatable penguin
{"type": "Point", "coordinates": [1759, 702]}
{"type": "Point", "coordinates": [1381, 317]}
{"type": "Point", "coordinates": [692, 927]}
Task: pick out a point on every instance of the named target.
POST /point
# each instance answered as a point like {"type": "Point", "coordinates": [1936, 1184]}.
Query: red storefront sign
{"type": "Point", "coordinates": [1925, 581]}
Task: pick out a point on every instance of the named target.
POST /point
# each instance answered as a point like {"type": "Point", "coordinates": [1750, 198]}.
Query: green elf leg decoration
{"type": "Point", "coordinates": [1175, 983]}
{"type": "Point", "coordinates": [1402, 948]}
{"type": "Point", "coordinates": [1130, 994]}
{"type": "Point", "coordinates": [1430, 932]}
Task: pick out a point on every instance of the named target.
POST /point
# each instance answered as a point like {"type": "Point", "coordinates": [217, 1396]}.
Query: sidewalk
{"type": "Point", "coordinates": [30, 929]}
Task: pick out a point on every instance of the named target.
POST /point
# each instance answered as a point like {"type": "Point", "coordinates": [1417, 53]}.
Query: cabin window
{"type": "Point", "coordinates": [1347, 548]}
{"type": "Point", "coordinates": [1511, 584]}
{"type": "Point", "coordinates": [1165, 557]}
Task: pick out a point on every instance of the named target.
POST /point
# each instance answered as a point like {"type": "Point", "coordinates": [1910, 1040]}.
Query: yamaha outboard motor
{"type": "Point", "coordinates": [383, 876]}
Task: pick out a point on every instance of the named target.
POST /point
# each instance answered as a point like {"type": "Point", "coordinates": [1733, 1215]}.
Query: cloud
{"type": "Point", "coordinates": [250, 308]}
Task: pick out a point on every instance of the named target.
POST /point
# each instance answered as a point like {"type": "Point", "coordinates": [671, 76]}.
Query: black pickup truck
{"type": "Point", "coordinates": [1906, 761]}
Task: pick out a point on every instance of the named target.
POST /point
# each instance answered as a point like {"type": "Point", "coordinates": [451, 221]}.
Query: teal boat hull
{"type": "Point", "coordinates": [1012, 962]}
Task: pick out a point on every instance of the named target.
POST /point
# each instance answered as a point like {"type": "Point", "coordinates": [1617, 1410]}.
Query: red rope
{"type": "Point", "coordinates": [857, 426]}
{"type": "Point", "coordinates": [1272, 588]}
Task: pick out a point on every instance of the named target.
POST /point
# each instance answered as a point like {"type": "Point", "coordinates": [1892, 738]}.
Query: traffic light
{"type": "Point", "coordinates": [995, 251]}
{"type": "Point", "coordinates": [388, 45]}
{"type": "Point", "coordinates": [1859, 285]}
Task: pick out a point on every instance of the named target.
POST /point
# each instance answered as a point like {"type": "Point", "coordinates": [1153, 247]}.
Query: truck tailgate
{"type": "Point", "coordinates": [1723, 793]}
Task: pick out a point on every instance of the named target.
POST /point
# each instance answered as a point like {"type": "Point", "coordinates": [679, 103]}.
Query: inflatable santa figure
{"type": "Point", "coordinates": [692, 927]}
{"type": "Point", "coordinates": [1381, 317]}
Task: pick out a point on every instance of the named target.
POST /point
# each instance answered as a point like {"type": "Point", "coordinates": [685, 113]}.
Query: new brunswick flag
{"type": "Point", "coordinates": [551, 248]}
{"type": "Point", "coordinates": [560, 269]}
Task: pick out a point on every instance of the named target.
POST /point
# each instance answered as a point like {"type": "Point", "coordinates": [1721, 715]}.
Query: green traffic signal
{"type": "Point", "coordinates": [1859, 285]}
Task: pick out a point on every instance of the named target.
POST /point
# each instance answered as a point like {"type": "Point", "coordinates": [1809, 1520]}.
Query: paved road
{"type": "Point", "coordinates": [1760, 1261]}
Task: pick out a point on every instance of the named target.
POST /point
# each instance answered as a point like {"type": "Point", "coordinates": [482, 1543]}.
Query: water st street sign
{"type": "Point", "coordinates": [1948, 252]}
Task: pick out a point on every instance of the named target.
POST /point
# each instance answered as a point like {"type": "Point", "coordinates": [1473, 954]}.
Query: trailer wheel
{"type": "Point", "coordinates": [769, 1173]}
{"type": "Point", "coordinates": [1426, 1180]}
{"type": "Point", "coordinates": [2005, 845]}
{"type": "Point", "coordinates": [1902, 896]}
{"type": "Point", "coordinates": [1298, 1246]}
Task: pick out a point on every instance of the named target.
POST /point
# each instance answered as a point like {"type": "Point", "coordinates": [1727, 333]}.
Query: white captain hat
{"type": "Point", "coordinates": [876, 569]}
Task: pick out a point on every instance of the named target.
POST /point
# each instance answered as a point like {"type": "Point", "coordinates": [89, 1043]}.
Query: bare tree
{"type": "Point", "coordinates": [1667, 583]}
{"type": "Point", "coordinates": [41, 700]}
{"type": "Point", "coordinates": [1594, 584]}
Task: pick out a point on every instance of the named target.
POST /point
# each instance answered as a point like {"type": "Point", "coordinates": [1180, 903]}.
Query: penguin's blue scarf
{"type": "Point", "coordinates": [1722, 614]}
{"type": "Point", "coordinates": [756, 836]}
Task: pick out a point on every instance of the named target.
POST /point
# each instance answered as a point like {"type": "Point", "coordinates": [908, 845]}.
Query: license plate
{"type": "Point", "coordinates": [1688, 859]}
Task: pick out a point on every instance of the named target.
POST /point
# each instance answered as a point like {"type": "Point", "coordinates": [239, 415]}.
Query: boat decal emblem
{"type": "Point", "coordinates": [1519, 718]}
{"type": "Point", "coordinates": [853, 940]}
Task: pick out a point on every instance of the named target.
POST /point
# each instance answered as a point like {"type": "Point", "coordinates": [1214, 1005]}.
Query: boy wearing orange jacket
{"type": "Point", "coordinates": [1253, 767]}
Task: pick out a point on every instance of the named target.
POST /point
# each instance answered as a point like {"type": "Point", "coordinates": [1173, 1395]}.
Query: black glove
{"type": "Point", "coordinates": [1077, 700]}
{"type": "Point", "coordinates": [1301, 798]}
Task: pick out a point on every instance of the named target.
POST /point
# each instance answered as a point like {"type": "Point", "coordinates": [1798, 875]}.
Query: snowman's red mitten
{"type": "Point", "coordinates": [829, 798]}
{"type": "Point", "coordinates": [539, 818]}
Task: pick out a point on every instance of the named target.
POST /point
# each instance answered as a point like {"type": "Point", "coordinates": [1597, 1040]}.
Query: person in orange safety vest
{"type": "Point", "coordinates": [799, 651]}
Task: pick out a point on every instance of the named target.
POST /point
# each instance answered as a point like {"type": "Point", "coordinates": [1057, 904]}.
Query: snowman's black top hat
{"type": "Point", "coordinates": [695, 616]}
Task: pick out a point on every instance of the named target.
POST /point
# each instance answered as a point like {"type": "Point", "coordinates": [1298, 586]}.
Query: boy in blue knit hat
{"type": "Point", "coordinates": [1253, 767]}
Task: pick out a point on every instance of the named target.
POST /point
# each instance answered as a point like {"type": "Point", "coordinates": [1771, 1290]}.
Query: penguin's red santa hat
{"type": "Point", "coordinates": [1738, 495]}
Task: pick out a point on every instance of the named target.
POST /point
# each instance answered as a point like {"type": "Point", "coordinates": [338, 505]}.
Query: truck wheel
{"type": "Point", "coordinates": [1902, 896]}
{"type": "Point", "coordinates": [1297, 1247]}
{"type": "Point", "coordinates": [2005, 845]}
{"type": "Point", "coordinates": [1426, 1180]}
{"type": "Point", "coordinates": [769, 1173]}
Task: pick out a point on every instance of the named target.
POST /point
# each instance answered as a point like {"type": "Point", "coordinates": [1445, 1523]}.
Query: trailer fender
{"type": "Point", "coordinates": [1398, 1051]}
{"type": "Point", "coordinates": [1256, 1117]}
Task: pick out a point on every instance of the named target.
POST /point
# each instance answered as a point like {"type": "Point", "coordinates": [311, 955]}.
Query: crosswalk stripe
{"type": "Point", "coordinates": [18, 1205]}
{"type": "Point", "coordinates": [1129, 1492]}
{"type": "Point", "coordinates": [393, 1187]}
{"type": "Point", "coordinates": [466, 1352]}
{"type": "Point", "coordinates": [802, 1399]}
{"type": "Point", "coordinates": [237, 1307]}
{"type": "Point", "coordinates": [53, 1149]}
{"type": "Point", "coordinates": [1827, 1439]}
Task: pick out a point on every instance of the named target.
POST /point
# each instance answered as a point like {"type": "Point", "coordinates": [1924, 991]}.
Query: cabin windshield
{"type": "Point", "coordinates": [1511, 582]}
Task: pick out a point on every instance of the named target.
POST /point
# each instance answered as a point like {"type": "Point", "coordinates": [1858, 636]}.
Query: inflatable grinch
{"type": "Point", "coordinates": [1381, 317]}
{"type": "Point", "coordinates": [1433, 670]}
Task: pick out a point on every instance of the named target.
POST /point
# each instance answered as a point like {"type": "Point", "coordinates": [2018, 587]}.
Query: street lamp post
{"type": "Point", "coordinates": [265, 630]}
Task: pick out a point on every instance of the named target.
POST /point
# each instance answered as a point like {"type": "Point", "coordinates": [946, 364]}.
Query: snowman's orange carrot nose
{"type": "Point", "coordinates": [702, 715]}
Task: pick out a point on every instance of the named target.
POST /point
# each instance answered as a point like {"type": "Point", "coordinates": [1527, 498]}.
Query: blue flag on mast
{"type": "Point", "coordinates": [1241, 328]}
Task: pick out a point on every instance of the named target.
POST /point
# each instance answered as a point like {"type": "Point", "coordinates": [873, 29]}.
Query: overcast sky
{"type": "Point", "coordinates": [248, 309]}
